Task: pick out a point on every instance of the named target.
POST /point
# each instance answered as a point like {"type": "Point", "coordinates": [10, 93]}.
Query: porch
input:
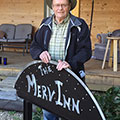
{"type": "Point", "coordinates": [96, 78]}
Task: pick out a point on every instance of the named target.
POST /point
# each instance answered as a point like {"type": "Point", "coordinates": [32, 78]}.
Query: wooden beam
{"type": "Point", "coordinates": [76, 10]}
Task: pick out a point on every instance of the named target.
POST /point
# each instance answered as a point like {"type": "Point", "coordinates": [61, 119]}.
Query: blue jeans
{"type": "Point", "coordinates": [49, 116]}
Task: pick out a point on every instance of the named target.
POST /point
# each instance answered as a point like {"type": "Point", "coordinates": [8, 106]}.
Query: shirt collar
{"type": "Point", "coordinates": [64, 21]}
{"type": "Point", "coordinates": [73, 21]}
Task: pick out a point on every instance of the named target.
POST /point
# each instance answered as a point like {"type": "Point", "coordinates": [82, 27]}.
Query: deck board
{"type": "Point", "coordinates": [101, 79]}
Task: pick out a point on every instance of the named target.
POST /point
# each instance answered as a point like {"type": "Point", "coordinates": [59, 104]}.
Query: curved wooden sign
{"type": "Point", "coordinates": [60, 92]}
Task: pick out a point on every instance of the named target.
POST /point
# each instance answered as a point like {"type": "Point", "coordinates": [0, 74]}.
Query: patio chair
{"type": "Point", "coordinates": [20, 34]}
{"type": "Point", "coordinates": [9, 30]}
{"type": "Point", "coordinates": [100, 48]}
{"type": "Point", "coordinates": [116, 33]}
{"type": "Point", "coordinates": [23, 34]}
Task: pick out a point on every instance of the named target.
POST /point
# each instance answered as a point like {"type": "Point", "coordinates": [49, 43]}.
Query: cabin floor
{"type": "Point", "coordinates": [96, 77]}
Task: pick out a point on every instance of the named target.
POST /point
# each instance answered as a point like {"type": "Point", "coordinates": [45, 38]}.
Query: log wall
{"type": "Point", "coordinates": [106, 17]}
{"type": "Point", "coordinates": [22, 11]}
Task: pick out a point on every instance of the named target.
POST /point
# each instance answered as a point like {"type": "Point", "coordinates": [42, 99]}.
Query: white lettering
{"type": "Point", "coordinates": [44, 70]}
{"type": "Point", "coordinates": [75, 106]}
{"type": "Point", "coordinates": [39, 95]}
{"type": "Point", "coordinates": [44, 92]}
{"type": "Point", "coordinates": [59, 84]}
{"type": "Point", "coordinates": [50, 94]}
{"type": "Point", "coordinates": [40, 67]}
{"type": "Point", "coordinates": [32, 83]}
{"type": "Point", "coordinates": [66, 103]}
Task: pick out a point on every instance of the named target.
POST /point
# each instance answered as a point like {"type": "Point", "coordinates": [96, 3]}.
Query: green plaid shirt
{"type": "Point", "coordinates": [58, 38]}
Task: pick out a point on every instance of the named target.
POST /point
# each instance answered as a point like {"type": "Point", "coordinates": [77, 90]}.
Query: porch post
{"type": "Point", "coordinates": [91, 19]}
{"type": "Point", "coordinates": [76, 10]}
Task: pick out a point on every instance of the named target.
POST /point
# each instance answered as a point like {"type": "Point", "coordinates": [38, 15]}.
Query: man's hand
{"type": "Point", "coordinates": [62, 64]}
{"type": "Point", "coordinates": [45, 57]}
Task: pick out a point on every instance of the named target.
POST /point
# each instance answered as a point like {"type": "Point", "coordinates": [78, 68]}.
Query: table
{"type": "Point", "coordinates": [113, 52]}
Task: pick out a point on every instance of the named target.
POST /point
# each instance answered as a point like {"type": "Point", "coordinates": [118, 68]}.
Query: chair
{"type": "Point", "coordinates": [20, 34]}
{"type": "Point", "coordinates": [9, 30]}
{"type": "Point", "coordinates": [23, 34]}
{"type": "Point", "coordinates": [100, 47]}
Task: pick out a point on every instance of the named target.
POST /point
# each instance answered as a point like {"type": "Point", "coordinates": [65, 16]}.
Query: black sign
{"type": "Point", "coordinates": [60, 92]}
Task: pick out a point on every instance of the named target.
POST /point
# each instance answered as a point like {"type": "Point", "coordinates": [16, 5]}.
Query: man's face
{"type": "Point", "coordinates": [61, 8]}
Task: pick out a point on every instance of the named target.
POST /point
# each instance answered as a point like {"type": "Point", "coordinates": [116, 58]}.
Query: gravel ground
{"type": "Point", "coordinates": [10, 115]}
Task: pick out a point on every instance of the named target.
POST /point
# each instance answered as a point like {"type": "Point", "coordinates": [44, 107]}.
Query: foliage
{"type": "Point", "coordinates": [16, 118]}
{"type": "Point", "coordinates": [11, 112]}
{"type": "Point", "coordinates": [38, 114]}
{"type": "Point", "coordinates": [110, 103]}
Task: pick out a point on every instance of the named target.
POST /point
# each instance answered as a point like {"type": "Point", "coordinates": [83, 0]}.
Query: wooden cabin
{"type": "Point", "coordinates": [106, 15]}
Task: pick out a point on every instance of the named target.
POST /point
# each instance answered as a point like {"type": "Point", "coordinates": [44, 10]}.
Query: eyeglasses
{"type": "Point", "coordinates": [60, 5]}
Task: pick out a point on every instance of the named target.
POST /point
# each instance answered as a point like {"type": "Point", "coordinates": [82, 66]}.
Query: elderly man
{"type": "Point", "coordinates": [64, 38]}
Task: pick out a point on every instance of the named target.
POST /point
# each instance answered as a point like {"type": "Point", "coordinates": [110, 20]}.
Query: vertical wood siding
{"type": "Point", "coordinates": [22, 11]}
{"type": "Point", "coordinates": [106, 16]}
